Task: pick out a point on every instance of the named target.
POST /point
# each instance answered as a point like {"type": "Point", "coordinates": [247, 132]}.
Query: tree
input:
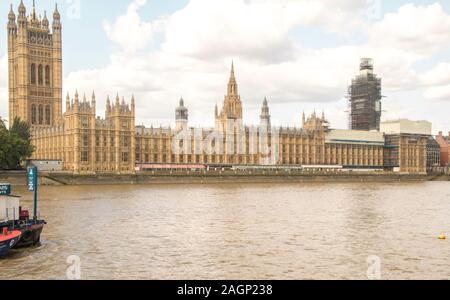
{"type": "Point", "coordinates": [15, 144]}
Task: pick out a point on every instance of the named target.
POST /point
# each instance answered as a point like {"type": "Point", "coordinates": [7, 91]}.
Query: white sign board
{"type": "Point", "coordinates": [9, 208]}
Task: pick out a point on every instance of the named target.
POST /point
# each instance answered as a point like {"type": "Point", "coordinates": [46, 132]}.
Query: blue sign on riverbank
{"type": "Point", "coordinates": [5, 189]}
{"type": "Point", "coordinates": [32, 179]}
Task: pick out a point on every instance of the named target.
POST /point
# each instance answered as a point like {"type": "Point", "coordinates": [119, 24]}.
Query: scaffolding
{"type": "Point", "coordinates": [364, 95]}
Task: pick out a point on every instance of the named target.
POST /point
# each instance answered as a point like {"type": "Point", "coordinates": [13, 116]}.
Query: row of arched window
{"type": "Point", "coordinates": [37, 115]}
{"type": "Point", "coordinates": [40, 75]}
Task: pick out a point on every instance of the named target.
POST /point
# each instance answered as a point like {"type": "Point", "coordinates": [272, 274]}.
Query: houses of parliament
{"type": "Point", "coordinates": [86, 143]}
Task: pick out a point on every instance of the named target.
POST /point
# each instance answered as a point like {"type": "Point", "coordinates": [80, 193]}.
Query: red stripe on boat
{"type": "Point", "coordinates": [11, 235]}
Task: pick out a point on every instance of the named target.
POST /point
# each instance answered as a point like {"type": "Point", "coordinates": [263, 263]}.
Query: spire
{"type": "Point", "coordinates": [22, 8]}
{"type": "Point", "coordinates": [56, 19]}
{"type": "Point", "coordinates": [108, 104]}
{"type": "Point", "coordinates": [84, 98]}
{"type": "Point", "coordinates": [11, 21]}
{"type": "Point", "coordinates": [232, 84]}
{"type": "Point", "coordinates": [22, 11]}
{"type": "Point", "coordinates": [93, 99]}
{"type": "Point", "coordinates": [265, 101]}
{"type": "Point", "coordinates": [67, 102]}
{"type": "Point", "coordinates": [11, 15]}
{"type": "Point", "coordinates": [33, 12]}
{"type": "Point", "coordinates": [181, 102]}
{"type": "Point", "coordinates": [76, 96]}
{"type": "Point", "coordinates": [117, 99]}
{"type": "Point", "coordinates": [45, 22]}
{"type": "Point", "coordinates": [132, 100]}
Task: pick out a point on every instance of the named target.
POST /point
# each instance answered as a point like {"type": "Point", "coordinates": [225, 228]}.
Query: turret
{"type": "Point", "coordinates": [117, 100]}
{"type": "Point", "coordinates": [67, 102]}
{"type": "Point", "coordinates": [133, 105]}
{"type": "Point", "coordinates": [33, 17]}
{"type": "Point", "coordinates": [232, 84]}
{"type": "Point", "coordinates": [93, 98]}
{"type": "Point", "coordinates": [108, 105]}
{"type": "Point", "coordinates": [45, 22]}
{"type": "Point", "coordinates": [56, 21]}
{"type": "Point", "coordinates": [12, 26]}
{"type": "Point", "coordinates": [181, 116]}
{"type": "Point", "coordinates": [22, 18]}
{"type": "Point", "coordinates": [265, 115]}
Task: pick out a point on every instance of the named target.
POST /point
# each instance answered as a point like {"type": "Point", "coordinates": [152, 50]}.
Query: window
{"type": "Point", "coordinates": [40, 114]}
{"type": "Point", "coordinates": [47, 75]}
{"type": "Point", "coordinates": [124, 156]}
{"type": "Point", "coordinates": [125, 142]}
{"type": "Point", "coordinates": [33, 74]}
{"type": "Point", "coordinates": [40, 75]}
{"type": "Point", "coordinates": [84, 156]}
{"type": "Point", "coordinates": [85, 141]}
{"type": "Point", "coordinates": [47, 115]}
{"type": "Point", "coordinates": [33, 114]}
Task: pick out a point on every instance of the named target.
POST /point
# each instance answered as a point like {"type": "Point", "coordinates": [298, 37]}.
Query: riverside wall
{"type": "Point", "coordinates": [209, 177]}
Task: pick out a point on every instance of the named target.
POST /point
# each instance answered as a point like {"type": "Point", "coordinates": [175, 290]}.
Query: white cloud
{"type": "Point", "coordinates": [129, 31]}
{"type": "Point", "coordinates": [257, 29]}
{"type": "Point", "coordinates": [201, 39]}
{"type": "Point", "coordinates": [422, 30]}
{"type": "Point", "coordinates": [441, 92]}
{"type": "Point", "coordinates": [439, 75]}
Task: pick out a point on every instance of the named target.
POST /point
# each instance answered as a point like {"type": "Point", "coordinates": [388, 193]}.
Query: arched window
{"type": "Point", "coordinates": [40, 75]}
{"type": "Point", "coordinates": [47, 115]}
{"type": "Point", "coordinates": [33, 74]}
{"type": "Point", "coordinates": [33, 114]}
{"type": "Point", "coordinates": [40, 114]}
{"type": "Point", "coordinates": [47, 75]}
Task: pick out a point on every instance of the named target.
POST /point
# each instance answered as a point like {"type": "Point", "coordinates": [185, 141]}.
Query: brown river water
{"type": "Point", "coordinates": [239, 231]}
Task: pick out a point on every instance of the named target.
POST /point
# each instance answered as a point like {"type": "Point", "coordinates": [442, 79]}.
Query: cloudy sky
{"type": "Point", "coordinates": [301, 54]}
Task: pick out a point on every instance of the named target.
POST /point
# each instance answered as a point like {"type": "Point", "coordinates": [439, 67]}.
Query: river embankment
{"type": "Point", "coordinates": [213, 177]}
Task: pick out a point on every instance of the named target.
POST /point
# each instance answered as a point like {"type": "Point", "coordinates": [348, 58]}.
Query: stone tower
{"type": "Point", "coordinates": [181, 116]}
{"type": "Point", "coordinates": [265, 115]}
{"type": "Point", "coordinates": [232, 106]}
{"type": "Point", "coordinates": [35, 67]}
{"type": "Point", "coordinates": [364, 96]}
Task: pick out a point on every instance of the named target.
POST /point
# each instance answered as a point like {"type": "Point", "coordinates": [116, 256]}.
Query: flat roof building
{"type": "Point", "coordinates": [405, 126]}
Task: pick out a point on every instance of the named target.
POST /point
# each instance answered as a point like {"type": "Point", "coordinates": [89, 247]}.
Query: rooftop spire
{"type": "Point", "coordinates": [22, 9]}
{"type": "Point", "coordinates": [56, 15]}
{"type": "Point", "coordinates": [232, 84]}
{"type": "Point", "coordinates": [33, 13]}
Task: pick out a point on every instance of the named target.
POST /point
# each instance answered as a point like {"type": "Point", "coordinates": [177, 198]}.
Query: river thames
{"type": "Point", "coordinates": [239, 231]}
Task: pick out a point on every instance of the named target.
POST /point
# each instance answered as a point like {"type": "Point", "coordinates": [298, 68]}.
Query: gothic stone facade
{"type": "Point", "coordinates": [88, 144]}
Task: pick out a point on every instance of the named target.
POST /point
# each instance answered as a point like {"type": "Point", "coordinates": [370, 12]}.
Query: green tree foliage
{"type": "Point", "coordinates": [15, 144]}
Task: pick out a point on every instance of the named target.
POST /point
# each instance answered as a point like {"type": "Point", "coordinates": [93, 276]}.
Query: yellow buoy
{"type": "Point", "coordinates": [442, 236]}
